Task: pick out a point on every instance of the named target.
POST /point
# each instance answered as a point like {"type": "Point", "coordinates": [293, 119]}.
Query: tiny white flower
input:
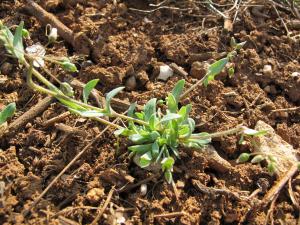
{"type": "Point", "coordinates": [37, 51]}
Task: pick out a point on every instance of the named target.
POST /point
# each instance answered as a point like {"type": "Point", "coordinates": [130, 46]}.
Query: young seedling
{"type": "Point", "coordinates": [258, 157]}
{"type": "Point", "coordinates": [156, 132]}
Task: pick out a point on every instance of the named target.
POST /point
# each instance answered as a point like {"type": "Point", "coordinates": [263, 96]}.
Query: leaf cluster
{"type": "Point", "coordinates": [13, 43]}
{"type": "Point", "coordinates": [157, 142]}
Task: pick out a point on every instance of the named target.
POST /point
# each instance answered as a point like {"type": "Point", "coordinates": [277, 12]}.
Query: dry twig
{"type": "Point", "coordinates": [109, 196]}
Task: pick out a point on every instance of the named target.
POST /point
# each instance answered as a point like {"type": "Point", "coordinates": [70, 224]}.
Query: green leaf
{"type": "Point", "coordinates": [233, 42]}
{"type": "Point", "coordinates": [87, 89]}
{"type": "Point", "coordinates": [184, 130]}
{"type": "Point", "coordinates": [150, 109]}
{"type": "Point", "coordinates": [119, 131]}
{"type": "Point", "coordinates": [139, 139]}
{"type": "Point", "coordinates": [167, 163]}
{"type": "Point", "coordinates": [154, 135]}
{"type": "Point", "coordinates": [25, 33]}
{"type": "Point", "coordinates": [68, 66]}
{"type": "Point", "coordinates": [196, 143]}
{"type": "Point", "coordinates": [18, 42]}
{"type": "Point", "coordinates": [191, 124]}
{"type": "Point", "coordinates": [214, 69]}
{"type": "Point", "coordinates": [172, 134]}
{"type": "Point", "coordinates": [185, 111]}
{"type": "Point", "coordinates": [244, 157]}
{"type": "Point", "coordinates": [67, 89]}
{"type": "Point", "coordinates": [88, 113]}
{"type": "Point", "coordinates": [153, 122]}
{"type": "Point", "coordinates": [240, 45]}
{"type": "Point", "coordinates": [299, 166]}
{"type": "Point", "coordinates": [141, 149]}
{"type": "Point", "coordinates": [7, 112]}
{"type": "Point", "coordinates": [172, 103]}
{"type": "Point", "coordinates": [170, 116]}
{"type": "Point", "coordinates": [145, 160]}
{"type": "Point", "coordinates": [230, 72]}
{"type": "Point", "coordinates": [175, 152]}
{"type": "Point", "coordinates": [272, 167]}
{"type": "Point", "coordinates": [155, 150]}
{"type": "Point", "coordinates": [110, 95]}
{"type": "Point", "coordinates": [7, 39]}
{"type": "Point", "coordinates": [140, 115]}
{"type": "Point", "coordinates": [257, 159]}
{"type": "Point", "coordinates": [254, 133]}
{"type": "Point", "coordinates": [178, 89]}
{"type": "Point", "coordinates": [168, 176]}
{"type": "Point", "coordinates": [131, 109]}
{"type": "Point", "coordinates": [70, 104]}
{"type": "Point", "coordinates": [241, 141]}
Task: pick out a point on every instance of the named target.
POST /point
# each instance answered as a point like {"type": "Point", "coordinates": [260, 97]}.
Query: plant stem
{"type": "Point", "coordinates": [122, 116]}
{"type": "Point", "coordinates": [106, 122]}
{"type": "Point", "coordinates": [235, 130]}
{"type": "Point", "coordinates": [59, 95]}
{"type": "Point", "coordinates": [192, 87]}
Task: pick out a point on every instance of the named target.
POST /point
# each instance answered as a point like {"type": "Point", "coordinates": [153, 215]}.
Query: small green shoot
{"type": "Point", "coordinates": [87, 89]}
{"type": "Point", "coordinates": [7, 112]}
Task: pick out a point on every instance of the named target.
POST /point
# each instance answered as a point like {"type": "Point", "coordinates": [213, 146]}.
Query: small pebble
{"type": "Point", "coordinates": [295, 74]}
{"type": "Point", "coordinates": [165, 72]}
{"type": "Point", "coordinates": [143, 189]}
{"type": "Point", "coordinates": [282, 115]}
{"type": "Point", "coordinates": [130, 83]}
{"type": "Point", "coordinates": [6, 68]}
{"type": "Point", "coordinates": [267, 70]}
{"type": "Point", "coordinates": [199, 69]}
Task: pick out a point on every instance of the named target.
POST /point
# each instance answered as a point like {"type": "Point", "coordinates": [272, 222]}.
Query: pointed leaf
{"type": "Point", "coordinates": [172, 103]}
{"type": "Point", "coordinates": [155, 150]}
{"type": "Point", "coordinates": [131, 109]}
{"type": "Point", "coordinates": [167, 163]}
{"type": "Point", "coordinates": [88, 113]}
{"type": "Point", "coordinates": [18, 42]}
{"type": "Point", "coordinates": [70, 105]}
{"type": "Point", "coordinates": [257, 159]}
{"type": "Point", "coordinates": [150, 109]}
{"type": "Point", "coordinates": [141, 149]}
{"type": "Point", "coordinates": [184, 112]}
{"type": "Point", "coordinates": [87, 89]}
{"type": "Point", "coordinates": [244, 157]}
{"type": "Point", "coordinates": [168, 176]}
{"type": "Point", "coordinates": [192, 125]}
{"type": "Point", "coordinates": [178, 89]}
{"type": "Point", "coordinates": [153, 122]}
{"type": "Point", "coordinates": [214, 69]}
{"type": "Point", "coordinates": [110, 95]}
{"type": "Point", "coordinates": [170, 116]}
{"type": "Point", "coordinates": [7, 112]}
{"type": "Point", "coordinates": [145, 160]}
{"type": "Point", "coordinates": [254, 133]}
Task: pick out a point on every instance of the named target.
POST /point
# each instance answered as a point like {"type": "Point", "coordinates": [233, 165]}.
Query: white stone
{"type": "Point", "coordinates": [165, 72]}
{"type": "Point", "coordinates": [267, 70]}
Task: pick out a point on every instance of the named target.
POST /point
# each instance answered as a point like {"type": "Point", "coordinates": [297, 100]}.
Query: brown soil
{"type": "Point", "coordinates": [134, 43]}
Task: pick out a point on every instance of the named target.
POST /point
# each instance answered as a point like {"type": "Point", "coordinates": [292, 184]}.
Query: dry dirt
{"type": "Point", "coordinates": [134, 43]}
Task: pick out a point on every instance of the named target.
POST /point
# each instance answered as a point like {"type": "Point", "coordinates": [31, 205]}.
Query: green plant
{"type": "Point", "coordinates": [7, 112]}
{"type": "Point", "coordinates": [156, 132]}
{"type": "Point", "coordinates": [258, 157]}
